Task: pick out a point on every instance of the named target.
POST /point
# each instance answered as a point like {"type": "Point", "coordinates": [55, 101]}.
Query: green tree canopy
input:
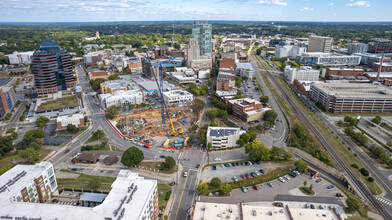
{"type": "Point", "coordinates": [226, 188]}
{"type": "Point", "coordinates": [132, 156]}
{"type": "Point", "coordinates": [212, 113]}
{"type": "Point", "coordinates": [300, 165]}
{"type": "Point", "coordinates": [216, 182]}
{"type": "Point", "coordinates": [30, 155]}
{"type": "Point", "coordinates": [270, 116]}
{"type": "Point", "coordinates": [95, 183]}
{"type": "Point", "coordinates": [377, 120]}
{"type": "Point", "coordinates": [264, 99]}
{"type": "Point", "coordinates": [202, 188]}
{"type": "Point", "coordinates": [353, 204]}
{"type": "Point", "coordinates": [245, 137]}
{"type": "Point", "coordinates": [258, 151]}
{"type": "Point", "coordinates": [169, 163]}
{"type": "Point", "coordinates": [72, 128]}
{"type": "Point", "coordinates": [113, 77]}
{"type": "Point", "coordinates": [111, 112]}
{"type": "Point", "coordinates": [41, 121]}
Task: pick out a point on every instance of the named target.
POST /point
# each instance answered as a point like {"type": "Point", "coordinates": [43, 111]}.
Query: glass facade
{"type": "Point", "coordinates": [202, 31]}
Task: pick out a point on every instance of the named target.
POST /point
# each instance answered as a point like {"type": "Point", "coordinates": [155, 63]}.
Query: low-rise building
{"type": "Point", "coordinates": [177, 97]}
{"type": "Point", "coordinates": [121, 98]}
{"type": "Point", "coordinates": [7, 100]}
{"type": "Point", "coordinates": [98, 75]}
{"type": "Point", "coordinates": [183, 75]}
{"type": "Point", "coordinates": [223, 137]}
{"type": "Point", "coordinates": [370, 58]}
{"type": "Point", "coordinates": [64, 121]}
{"type": "Point", "coordinates": [344, 72]}
{"type": "Point", "coordinates": [352, 97]}
{"type": "Point", "coordinates": [246, 109]}
{"type": "Point", "coordinates": [112, 86]}
{"type": "Point", "coordinates": [386, 67]}
{"type": "Point", "coordinates": [201, 63]}
{"type": "Point", "coordinates": [304, 73]}
{"type": "Point", "coordinates": [93, 57]}
{"type": "Point", "coordinates": [245, 70]}
{"type": "Point", "coordinates": [55, 105]}
{"type": "Point", "coordinates": [328, 59]}
{"type": "Point", "coordinates": [86, 157]}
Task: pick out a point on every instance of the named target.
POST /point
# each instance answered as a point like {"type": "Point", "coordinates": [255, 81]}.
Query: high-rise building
{"type": "Point", "coordinates": [357, 48]}
{"type": "Point", "coordinates": [7, 100]}
{"type": "Point", "coordinates": [380, 46]}
{"type": "Point", "coordinates": [52, 68]}
{"type": "Point", "coordinates": [202, 31]}
{"type": "Point", "coordinates": [320, 44]}
{"type": "Point", "coordinates": [192, 51]}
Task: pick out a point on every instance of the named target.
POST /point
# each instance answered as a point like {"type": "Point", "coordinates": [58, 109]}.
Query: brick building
{"type": "Point", "coordinates": [244, 108]}
{"type": "Point", "coordinates": [344, 72]}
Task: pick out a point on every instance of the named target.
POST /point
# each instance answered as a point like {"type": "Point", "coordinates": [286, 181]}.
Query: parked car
{"type": "Point", "coordinates": [253, 174]}
{"type": "Point", "coordinates": [163, 156]}
{"type": "Point", "coordinates": [244, 189]}
{"type": "Point", "coordinates": [217, 159]}
{"type": "Point", "coordinates": [243, 176]}
{"type": "Point", "coordinates": [321, 207]}
{"type": "Point", "coordinates": [247, 175]}
{"type": "Point", "coordinates": [70, 194]}
{"type": "Point", "coordinates": [185, 174]}
{"type": "Point", "coordinates": [312, 206]}
{"type": "Point", "coordinates": [292, 174]}
{"type": "Point", "coordinates": [250, 163]}
{"type": "Point", "coordinates": [286, 177]}
{"type": "Point", "coordinates": [339, 195]}
{"type": "Point", "coordinates": [281, 179]}
{"type": "Point", "coordinates": [222, 165]}
{"type": "Point", "coordinates": [78, 194]}
{"type": "Point", "coordinates": [233, 164]}
{"type": "Point", "coordinates": [255, 187]}
{"type": "Point", "coordinates": [262, 171]}
{"type": "Point", "coordinates": [235, 178]}
{"type": "Point", "coordinates": [214, 167]}
{"type": "Point", "coordinates": [226, 165]}
{"type": "Point", "coordinates": [237, 163]}
{"type": "Point", "coordinates": [330, 186]}
{"type": "Point", "coordinates": [198, 165]}
{"type": "Point", "coordinates": [270, 184]}
{"type": "Point", "coordinates": [318, 180]}
{"type": "Point", "coordinates": [257, 173]}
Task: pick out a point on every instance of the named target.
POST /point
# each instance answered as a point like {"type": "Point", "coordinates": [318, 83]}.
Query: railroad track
{"type": "Point", "coordinates": [342, 164]}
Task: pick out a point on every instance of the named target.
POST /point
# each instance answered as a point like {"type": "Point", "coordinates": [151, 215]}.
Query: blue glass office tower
{"type": "Point", "coordinates": [202, 31]}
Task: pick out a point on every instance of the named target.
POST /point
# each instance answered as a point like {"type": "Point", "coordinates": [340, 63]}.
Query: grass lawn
{"type": "Point", "coordinates": [92, 139]}
{"type": "Point", "coordinates": [68, 101]}
{"type": "Point", "coordinates": [260, 179]}
{"type": "Point", "coordinates": [163, 189]}
{"type": "Point", "coordinates": [386, 127]}
{"type": "Point", "coordinates": [6, 161]}
{"type": "Point", "coordinates": [154, 165]}
{"type": "Point", "coordinates": [82, 182]}
{"type": "Point", "coordinates": [303, 190]}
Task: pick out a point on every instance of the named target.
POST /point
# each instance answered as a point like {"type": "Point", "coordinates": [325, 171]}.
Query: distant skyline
{"type": "Point", "coordinates": [164, 10]}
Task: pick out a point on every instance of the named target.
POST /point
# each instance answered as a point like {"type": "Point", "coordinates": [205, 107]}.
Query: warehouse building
{"type": "Point", "coordinates": [352, 97]}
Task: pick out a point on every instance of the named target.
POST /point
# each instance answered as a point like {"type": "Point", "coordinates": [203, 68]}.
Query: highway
{"type": "Point", "coordinates": [342, 164]}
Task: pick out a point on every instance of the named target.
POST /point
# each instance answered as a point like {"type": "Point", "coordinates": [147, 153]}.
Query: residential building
{"type": "Point", "coordinates": [320, 44]}
{"type": "Point", "coordinates": [86, 157]}
{"type": "Point", "coordinates": [7, 100]}
{"type": "Point", "coordinates": [27, 184]}
{"type": "Point", "coordinates": [357, 48]}
{"type": "Point", "coordinates": [193, 51]}
{"type": "Point", "coordinates": [131, 197]}
{"type": "Point", "coordinates": [246, 109]}
{"type": "Point", "coordinates": [304, 73]}
{"type": "Point", "coordinates": [177, 97]}
{"type": "Point", "coordinates": [223, 137]}
{"type": "Point", "coordinates": [202, 31]}
{"type": "Point", "coordinates": [245, 70]}
{"type": "Point", "coordinates": [225, 81]}
{"type": "Point", "coordinates": [75, 119]}
{"type": "Point", "coordinates": [98, 75]}
{"type": "Point", "coordinates": [328, 59]}
{"type": "Point", "coordinates": [344, 72]}
{"type": "Point", "coordinates": [289, 51]}
{"type": "Point", "coordinates": [134, 66]}
{"type": "Point", "coordinates": [20, 58]}
{"type": "Point", "coordinates": [352, 97]}
{"type": "Point", "coordinates": [380, 46]}
{"type": "Point", "coordinates": [121, 98]}
{"type": "Point", "coordinates": [52, 68]}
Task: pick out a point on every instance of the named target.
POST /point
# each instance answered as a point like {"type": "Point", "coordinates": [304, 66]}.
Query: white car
{"type": "Point", "coordinates": [281, 179]}
{"type": "Point", "coordinates": [185, 174]}
{"type": "Point", "coordinates": [286, 177]}
{"type": "Point", "coordinates": [217, 159]}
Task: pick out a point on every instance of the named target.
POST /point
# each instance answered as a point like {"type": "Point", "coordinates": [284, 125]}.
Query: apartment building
{"type": "Point", "coordinates": [320, 44]}
{"type": "Point", "coordinates": [304, 73]}
{"type": "Point", "coordinates": [7, 100]}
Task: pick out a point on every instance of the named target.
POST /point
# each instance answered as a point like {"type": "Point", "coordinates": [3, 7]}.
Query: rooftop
{"type": "Point", "coordinates": [244, 102]}
{"type": "Point", "coordinates": [222, 131]}
{"type": "Point", "coordinates": [355, 90]}
{"type": "Point", "coordinates": [382, 74]}
{"type": "Point", "coordinates": [244, 66]}
{"type": "Point", "coordinates": [59, 103]}
{"type": "Point", "coordinates": [321, 54]}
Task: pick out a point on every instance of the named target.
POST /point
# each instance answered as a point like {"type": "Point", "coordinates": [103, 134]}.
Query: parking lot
{"type": "Point", "coordinates": [226, 173]}
{"type": "Point", "coordinates": [289, 189]}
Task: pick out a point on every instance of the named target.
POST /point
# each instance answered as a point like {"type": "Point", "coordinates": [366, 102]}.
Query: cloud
{"type": "Point", "coordinates": [331, 4]}
{"type": "Point", "coordinates": [306, 9]}
{"type": "Point", "coordinates": [359, 3]}
{"type": "Point", "coordinates": [272, 2]}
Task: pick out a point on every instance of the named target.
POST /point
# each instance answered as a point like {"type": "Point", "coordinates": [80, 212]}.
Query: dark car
{"type": "Point", "coordinates": [198, 165]}
{"type": "Point", "coordinates": [262, 171]}
{"type": "Point", "coordinates": [66, 151]}
{"type": "Point", "coordinates": [292, 174]}
{"type": "Point", "coordinates": [237, 163]}
{"type": "Point", "coordinates": [233, 164]}
{"type": "Point", "coordinates": [163, 156]}
{"type": "Point", "coordinates": [312, 206]}
{"type": "Point", "coordinates": [214, 167]}
{"type": "Point", "coordinates": [253, 174]}
{"type": "Point", "coordinates": [318, 180]}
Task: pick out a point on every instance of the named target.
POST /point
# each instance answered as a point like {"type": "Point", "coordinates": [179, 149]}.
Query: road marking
{"type": "Point", "coordinates": [375, 174]}
{"type": "Point", "coordinates": [179, 203]}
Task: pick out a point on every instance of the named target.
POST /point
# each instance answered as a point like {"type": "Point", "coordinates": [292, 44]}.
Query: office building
{"type": "Point", "coordinates": [183, 75]}
{"type": "Point", "coordinates": [27, 184]}
{"type": "Point", "coordinates": [223, 137]}
{"type": "Point", "coordinates": [328, 59]}
{"type": "Point", "coordinates": [245, 70]}
{"type": "Point", "coordinates": [304, 73]}
{"type": "Point", "coordinates": [121, 98]}
{"type": "Point", "coordinates": [202, 31]}
{"type": "Point", "coordinates": [52, 68]}
{"type": "Point", "coordinates": [357, 48]}
{"type": "Point", "coordinates": [352, 97]}
{"type": "Point", "coordinates": [192, 51]}
{"type": "Point", "coordinates": [380, 46]}
{"type": "Point", "coordinates": [246, 109]}
{"type": "Point", "coordinates": [131, 197]}
{"type": "Point", "coordinates": [320, 44]}
{"type": "Point", "coordinates": [75, 119]}
{"type": "Point", "coordinates": [177, 97]}
{"type": "Point", "coordinates": [97, 56]}
{"type": "Point", "coordinates": [289, 51]}
{"type": "Point", "coordinates": [7, 100]}
{"type": "Point", "coordinates": [112, 86]}
{"type": "Point", "coordinates": [20, 58]}
{"type": "Point", "coordinates": [201, 63]}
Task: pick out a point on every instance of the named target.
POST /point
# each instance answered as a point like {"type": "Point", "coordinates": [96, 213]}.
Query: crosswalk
{"type": "Point", "coordinates": [384, 200]}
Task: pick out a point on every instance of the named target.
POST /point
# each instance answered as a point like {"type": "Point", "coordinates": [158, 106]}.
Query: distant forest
{"type": "Point", "coordinates": [28, 36]}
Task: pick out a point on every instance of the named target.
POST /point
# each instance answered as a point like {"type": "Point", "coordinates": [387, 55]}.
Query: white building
{"type": "Point", "coordinates": [27, 184]}
{"type": "Point", "coordinates": [245, 69]}
{"type": "Point", "coordinates": [183, 75]}
{"type": "Point", "coordinates": [289, 51]}
{"type": "Point", "coordinates": [19, 58]}
{"type": "Point", "coordinates": [304, 73]}
{"type": "Point", "coordinates": [223, 137]}
{"type": "Point", "coordinates": [201, 63]}
{"type": "Point", "coordinates": [328, 59]}
{"type": "Point", "coordinates": [75, 119]}
{"type": "Point", "coordinates": [131, 197]}
{"type": "Point", "coordinates": [203, 73]}
{"type": "Point", "coordinates": [177, 96]}
{"type": "Point", "coordinates": [121, 98]}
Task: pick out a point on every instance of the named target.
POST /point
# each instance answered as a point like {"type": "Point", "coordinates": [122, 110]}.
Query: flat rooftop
{"type": "Point", "coordinates": [382, 74]}
{"type": "Point", "coordinates": [222, 131]}
{"type": "Point", "coordinates": [355, 90]}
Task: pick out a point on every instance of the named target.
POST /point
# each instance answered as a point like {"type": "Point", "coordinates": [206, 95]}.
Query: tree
{"type": "Point", "coordinates": [8, 116]}
{"type": "Point", "coordinates": [32, 136]}
{"type": "Point", "coordinates": [241, 142]}
{"type": "Point", "coordinates": [191, 138]}
{"type": "Point", "coordinates": [351, 121]}
{"type": "Point", "coordinates": [111, 112]}
{"type": "Point", "coordinates": [353, 204]}
{"type": "Point", "coordinates": [264, 99]}
{"type": "Point", "coordinates": [22, 118]}
{"type": "Point", "coordinates": [226, 188]}
{"type": "Point", "coordinates": [305, 183]}
{"type": "Point", "coordinates": [198, 106]}
{"type": "Point", "coordinates": [113, 77]}
{"type": "Point", "coordinates": [238, 81]}
{"type": "Point", "coordinates": [202, 188]}
{"type": "Point", "coordinates": [364, 171]}
{"type": "Point", "coordinates": [132, 156]}
{"type": "Point", "coordinates": [30, 155]}
{"type": "Point", "coordinates": [41, 121]}
{"type": "Point", "coordinates": [280, 154]}
{"type": "Point", "coordinates": [258, 51]}
{"type": "Point", "coordinates": [169, 163]}
{"type": "Point", "coordinates": [252, 135]}
{"type": "Point", "coordinates": [245, 137]}
{"type": "Point", "coordinates": [216, 182]}
{"type": "Point", "coordinates": [258, 151]}
{"type": "Point", "coordinates": [209, 146]}
{"type": "Point", "coordinates": [14, 134]}
{"type": "Point", "coordinates": [377, 120]}
{"type": "Point", "coordinates": [98, 134]}
{"type": "Point", "coordinates": [195, 127]}
{"type": "Point", "coordinates": [72, 128]}
{"type": "Point", "coordinates": [212, 113]}
{"type": "Point", "coordinates": [300, 165]}
{"type": "Point", "coordinates": [6, 145]}
{"type": "Point", "coordinates": [270, 116]}
{"type": "Point", "coordinates": [95, 183]}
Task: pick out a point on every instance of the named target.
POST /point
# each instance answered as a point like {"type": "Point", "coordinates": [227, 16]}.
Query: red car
{"type": "Point", "coordinates": [66, 151]}
{"type": "Point", "coordinates": [255, 187]}
{"type": "Point", "coordinates": [243, 176]}
{"type": "Point", "coordinates": [247, 175]}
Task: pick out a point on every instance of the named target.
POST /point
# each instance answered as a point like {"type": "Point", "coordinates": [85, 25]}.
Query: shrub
{"type": "Point", "coordinates": [167, 196]}
{"type": "Point", "coordinates": [364, 171]}
{"type": "Point", "coordinates": [354, 166]}
{"type": "Point", "coordinates": [370, 179]}
{"type": "Point", "coordinates": [216, 182]}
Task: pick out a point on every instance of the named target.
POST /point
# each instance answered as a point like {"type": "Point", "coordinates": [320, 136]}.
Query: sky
{"type": "Point", "coordinates": [167, 10]}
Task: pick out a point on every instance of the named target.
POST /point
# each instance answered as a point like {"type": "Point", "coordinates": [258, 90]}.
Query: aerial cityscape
{"type": "Point", "coordinates": [196, 110]}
